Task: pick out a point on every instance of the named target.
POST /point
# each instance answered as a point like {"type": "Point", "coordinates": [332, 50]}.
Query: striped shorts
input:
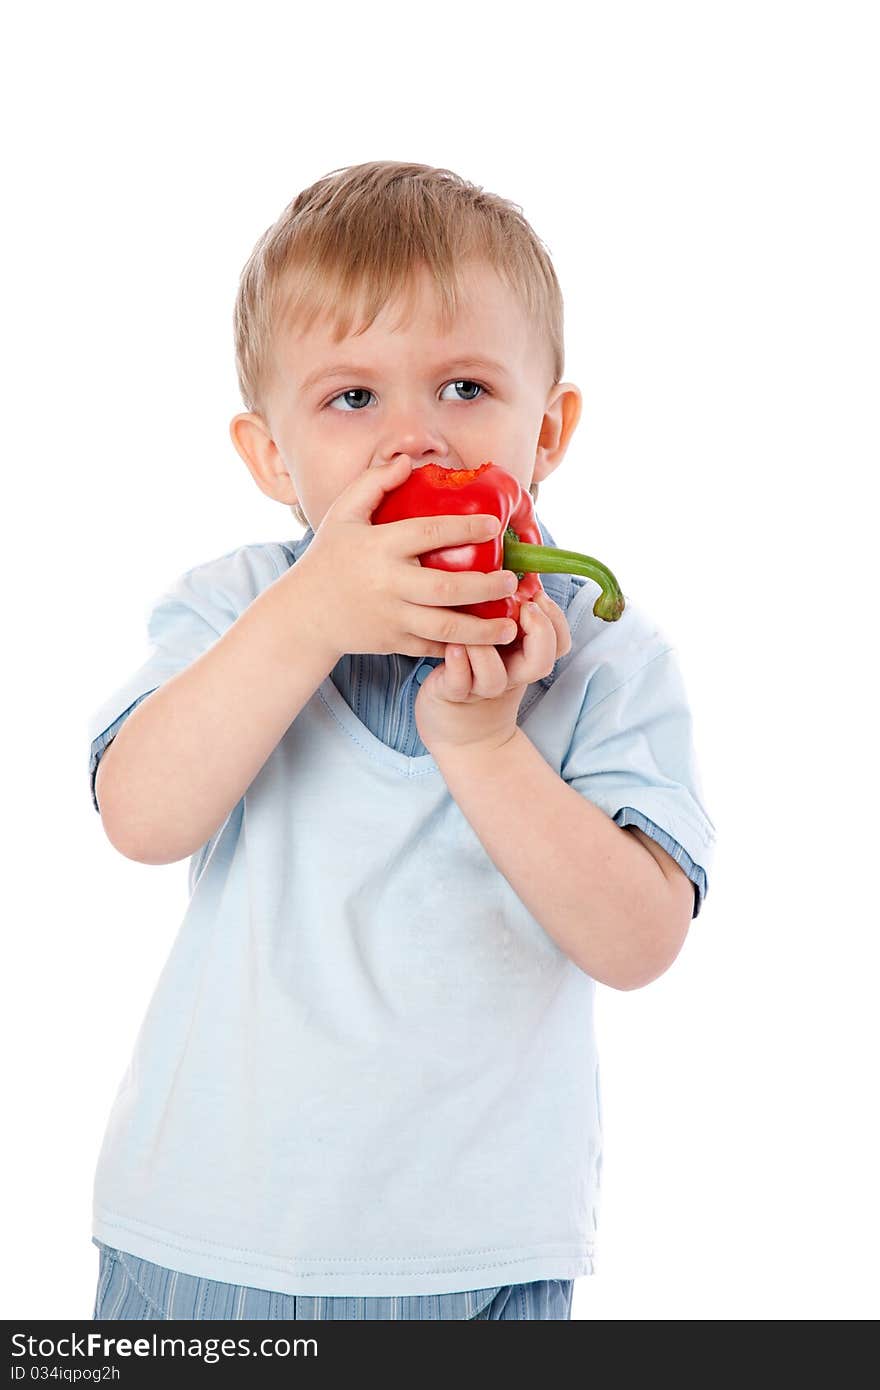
{"type": "Point", "coordinates": [132, 1288]}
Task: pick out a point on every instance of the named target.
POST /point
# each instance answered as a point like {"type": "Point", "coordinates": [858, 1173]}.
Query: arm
{"type": "Point", "coordinates": [187, 754]}
{"type": "Point", "coordinates": [609, 902]}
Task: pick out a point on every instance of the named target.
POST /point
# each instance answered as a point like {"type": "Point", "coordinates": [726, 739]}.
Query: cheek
{"type": "Point", "coordinates": [513, 448]}
{"type": "Point", "coordinates": [337, 475]}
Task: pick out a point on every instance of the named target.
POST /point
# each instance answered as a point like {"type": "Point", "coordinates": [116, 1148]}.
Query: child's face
{"type": "Point", "coordinates": [410, 390]}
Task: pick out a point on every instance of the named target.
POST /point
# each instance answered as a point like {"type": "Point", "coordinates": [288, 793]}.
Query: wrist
{"type": "Point", "coordinates": [484, 752]}
{"type": "Point", "coordinates": [305, 616]}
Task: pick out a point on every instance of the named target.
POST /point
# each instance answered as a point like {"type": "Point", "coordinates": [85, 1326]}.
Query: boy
{"type": "Point", "coordinates": [367, 1086]}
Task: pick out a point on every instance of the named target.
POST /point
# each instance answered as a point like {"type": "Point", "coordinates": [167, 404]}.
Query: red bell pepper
{"type": "Point", "coordinates": [489, 490]}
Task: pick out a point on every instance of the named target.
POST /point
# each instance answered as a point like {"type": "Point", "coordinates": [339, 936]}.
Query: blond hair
{"type": "Point", "coordinates": [349, 244]}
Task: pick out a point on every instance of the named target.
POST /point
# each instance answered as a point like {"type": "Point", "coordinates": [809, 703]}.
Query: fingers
{"type": "Point", "coordinates": [488, 675]}
{"type": "Point", "coordinates": [482, 672]}
{"type": "Point", "coordinates": [452, 588]}
{"type": "Point", "coordinates": [447, 625]}
{"type": "Point", "coordinates": [457, 673]}
{"type": "Point", "coordinates": [544, 642]}
{"type": "Point", "coordinates": [559, 621]}
{"type": "Point", "coordinates": [547, 635]}
{"type": "Point", "coordinates": [361, 498]}
{"type": "Point", "coordinates": [495, 671]}
{"type": "Point", "coordinates": [418, 534]}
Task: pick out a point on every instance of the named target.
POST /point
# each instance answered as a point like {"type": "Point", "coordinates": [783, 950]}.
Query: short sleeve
{"type": "Point", "coordinates": [184, 622]}
{"type": "Point", "coordinates": [632, 754]}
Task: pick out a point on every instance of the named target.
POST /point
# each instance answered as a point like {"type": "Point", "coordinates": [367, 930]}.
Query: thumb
{"type": "Point", "coordinates": [371, 486]}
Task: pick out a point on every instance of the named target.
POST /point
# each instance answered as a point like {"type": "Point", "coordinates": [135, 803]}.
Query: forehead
{"type": "Point", "coordinates": [489, 317]}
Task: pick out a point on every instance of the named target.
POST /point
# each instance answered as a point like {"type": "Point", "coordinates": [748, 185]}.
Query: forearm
{"type": "Point", "coordinates": [590, 884]}
{"type": "Point", "coordinates": [188, 753]}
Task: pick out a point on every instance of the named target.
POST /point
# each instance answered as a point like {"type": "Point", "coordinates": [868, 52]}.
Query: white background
{"type": "Point", "coordinates": [705, 178]}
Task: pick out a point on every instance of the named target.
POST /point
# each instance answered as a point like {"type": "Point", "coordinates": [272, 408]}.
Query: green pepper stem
{"type": "Point", "coordinates": [547, 559]}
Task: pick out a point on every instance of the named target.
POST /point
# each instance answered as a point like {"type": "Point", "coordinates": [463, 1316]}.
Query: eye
{"type": "Point", "coordinates": [362, 391]}
{"type": "Point", "coordinates": [355, 391]}
{"type": "Point", "coordinates": [464, 382]}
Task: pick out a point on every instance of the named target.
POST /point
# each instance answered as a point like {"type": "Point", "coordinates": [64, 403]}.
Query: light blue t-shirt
{"type": "Point", "coordinates": [366, 1069]}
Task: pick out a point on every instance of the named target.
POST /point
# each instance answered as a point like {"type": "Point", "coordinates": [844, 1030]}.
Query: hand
{"type": "Point", "coordinates": [371, 592]}
{"type": "Point", "coordinates": [473, 698]}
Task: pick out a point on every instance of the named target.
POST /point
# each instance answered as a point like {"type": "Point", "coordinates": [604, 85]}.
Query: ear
{"type": "Point", "coordinates": [561, 415]}
{"type": "Point", "coordinates": [254, 443]}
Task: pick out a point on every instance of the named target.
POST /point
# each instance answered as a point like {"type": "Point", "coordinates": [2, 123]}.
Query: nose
{"type": "Point", "coordinates": [415, 437]}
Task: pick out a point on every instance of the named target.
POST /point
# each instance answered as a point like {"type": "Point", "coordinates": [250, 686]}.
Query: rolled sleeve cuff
{"type": "Point", "coordinates": [105, 738]}
{"type": "Point", "coordinates": [628, 815]}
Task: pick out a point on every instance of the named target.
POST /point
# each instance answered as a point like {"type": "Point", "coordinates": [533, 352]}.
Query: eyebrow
{"type": "Point", "coordinates": [353, 370]}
